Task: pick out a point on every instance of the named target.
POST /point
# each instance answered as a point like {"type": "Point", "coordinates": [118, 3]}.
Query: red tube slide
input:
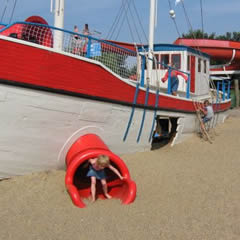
{"type": "Point", "coordinates": [78, 185]}
{"type": "Point", "coordinates": [217, 49]}
{"type": "Point", "coordinates": [225, 50]}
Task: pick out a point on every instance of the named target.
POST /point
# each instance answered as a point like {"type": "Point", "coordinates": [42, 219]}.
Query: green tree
{"type": "Point", "coordinates": [116, 62]}
{"type": "Point", "coordinates": [198, 34]}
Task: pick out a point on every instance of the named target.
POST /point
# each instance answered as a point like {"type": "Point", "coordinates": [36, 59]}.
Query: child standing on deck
{"type": "Point", "coordinates": [96, 171]}
{"type": "Point", "coordinates": [174, 79]}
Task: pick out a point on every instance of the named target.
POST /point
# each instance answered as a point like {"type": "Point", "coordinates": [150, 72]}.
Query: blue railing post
{"type": "Point", "coordinates": [223, 90]}
{"type": "Point", "coordinates": [188, 86]}
{"type": "Point", "coordinates": [169, 80]}
{"type": "Point", "coordinates": [229, 93]}
{"type": "Point", "coordinates": [218, 85]}
{"type": "Point", "coordinates": [89, 47]}
{"type": "Point", "coordinates": [143, 71]}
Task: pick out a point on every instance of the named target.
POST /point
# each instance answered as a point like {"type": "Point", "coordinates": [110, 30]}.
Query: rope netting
{"type": "Point", "coordinates": [119, 60]}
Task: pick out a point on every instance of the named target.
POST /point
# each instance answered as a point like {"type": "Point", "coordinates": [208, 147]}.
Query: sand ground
{"type": "Point", "coordinates": [187, 192]}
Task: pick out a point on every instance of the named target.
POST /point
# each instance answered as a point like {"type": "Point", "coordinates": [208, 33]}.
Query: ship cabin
{"type": "Point", "coordinates": [193, 63]}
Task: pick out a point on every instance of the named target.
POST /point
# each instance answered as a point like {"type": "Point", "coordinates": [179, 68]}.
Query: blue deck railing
{"type": "Point", "coordinates": [121, 61]}
{"type": "Point", "coordinates": [3, 24]}
{"type": "Point", "coordinates": [223, 87]}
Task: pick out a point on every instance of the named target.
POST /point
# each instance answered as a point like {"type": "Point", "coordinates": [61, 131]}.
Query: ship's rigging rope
{"type": "Point", "coordinates": [186, 16]}
{"type": "Point", "coordinates": [212, 84]}
{"type": "Point", "coordinates": [127, 7]}
{"type": "Point", "coordinates": [116, 21]}
{"type": "Point", "coordinates": [201, 15]}
{"type": "Point", "coordinates": [191, 30]}
{"type": "Point", "coordinates": [139, 20]}
{"type": "Point", "coordinates": [195, 39]}
{"type": "Point", "coordinates": [173, 18]}
{"type": "Point", "coordinates": [5, 9]}
{"type": "Point", "coordinates": [14, 7]}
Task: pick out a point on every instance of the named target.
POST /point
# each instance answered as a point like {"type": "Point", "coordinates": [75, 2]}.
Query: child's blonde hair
{"type": "Point", "coordinates": [206, 102]}
{"type": "Point", "coordinates": [103, 161]}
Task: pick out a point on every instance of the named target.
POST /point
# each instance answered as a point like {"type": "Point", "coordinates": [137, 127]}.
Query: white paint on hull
{"type": "Point", "coordinates": [37, 128]}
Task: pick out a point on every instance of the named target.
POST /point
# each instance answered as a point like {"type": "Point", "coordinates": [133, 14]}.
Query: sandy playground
{"type": "Point", "coordinates": [188, 192]}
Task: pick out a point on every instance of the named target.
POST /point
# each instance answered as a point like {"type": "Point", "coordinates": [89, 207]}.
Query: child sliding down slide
{"type": "Point", "coordinates": [96, 171]}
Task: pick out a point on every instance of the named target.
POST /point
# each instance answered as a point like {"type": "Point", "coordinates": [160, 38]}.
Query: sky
{"type": "Point", "coordinates": [219, 16]}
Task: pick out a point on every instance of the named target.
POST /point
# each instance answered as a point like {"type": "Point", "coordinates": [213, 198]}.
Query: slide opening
{"type": "Point", "coordinates": [79, 185]}
{"type": "Point", "coordinates": [83, 183]}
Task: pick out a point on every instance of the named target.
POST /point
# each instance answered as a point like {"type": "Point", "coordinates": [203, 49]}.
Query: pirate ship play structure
{"type": "Point", "coordinates": [57, 85]}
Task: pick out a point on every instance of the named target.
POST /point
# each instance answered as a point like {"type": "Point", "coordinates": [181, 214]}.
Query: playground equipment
{"type": "Point", "coordinates": [228, 51]}
{"type": "Point", "coordinates": [78, 185]}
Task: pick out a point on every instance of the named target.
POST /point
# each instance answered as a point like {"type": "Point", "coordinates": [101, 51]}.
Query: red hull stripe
{"type": "Point", "coordinates": [38, 68]}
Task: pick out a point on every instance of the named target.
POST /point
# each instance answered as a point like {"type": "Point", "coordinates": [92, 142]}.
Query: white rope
{"type": "Point", "coordinates": [14, 7]}
{"type": "Point", "coordinates": [116, 21]}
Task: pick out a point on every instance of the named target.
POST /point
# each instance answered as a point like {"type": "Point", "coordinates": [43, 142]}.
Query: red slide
{"type": "Point", "coordinates": [228, 51]}
{"type": "Point", "coordinates": [78, 185]}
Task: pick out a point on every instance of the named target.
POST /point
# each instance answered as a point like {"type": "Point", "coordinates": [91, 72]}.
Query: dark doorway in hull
{"type": "Point", "coordinates": [164, 132]}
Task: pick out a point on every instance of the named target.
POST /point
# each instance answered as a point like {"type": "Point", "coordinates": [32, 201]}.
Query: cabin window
{"type": "Point", "coordinates": [164, 60]}
{"type": "Point", "coordinates": [176, 60]}
{"type": "Point", "coordinates": [156, 61]}
{"type": "Point", "coordinates": [205, 66]}
{"type": "Point", "coordinates": [199, 65]}
{"type": "Point", "coordinates": [188, 62]}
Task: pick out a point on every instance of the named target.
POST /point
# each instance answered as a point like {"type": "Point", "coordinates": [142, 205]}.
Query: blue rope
{"type": "Point", "coordinates": [143, 117]}
{"type": "Point", "coordinates": [154, 116]}
{"type": "Point", "coordinates": [133, 110]}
